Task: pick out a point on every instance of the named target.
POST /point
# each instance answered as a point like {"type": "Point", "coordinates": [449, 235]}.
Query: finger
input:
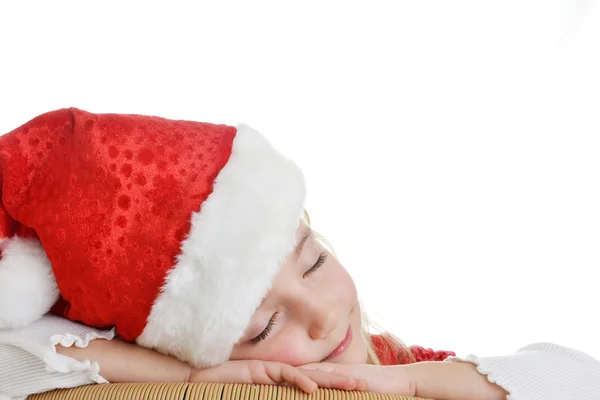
{"type": "Point", "coordinates": [332, 381]}
{"type": "Point", "coordinates": [361, 385]}
{"type": "Point", "coordinates": [298, 378]}
{"type": "Point", "coordinates": [325, 367]}
{"type": "Point", "coordinates": [261, 374]}
{"type": "Point", "coordinates": [283, 373]}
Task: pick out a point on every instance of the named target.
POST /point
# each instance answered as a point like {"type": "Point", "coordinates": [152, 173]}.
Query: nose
{"type": "Point", "coordinates": [322, 320]}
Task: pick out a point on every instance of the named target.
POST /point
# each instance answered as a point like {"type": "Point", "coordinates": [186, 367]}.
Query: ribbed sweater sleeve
{"type": "Point", "coordinates": [29, 363]}
{"type": "Point", "coordinates": [542, 371]}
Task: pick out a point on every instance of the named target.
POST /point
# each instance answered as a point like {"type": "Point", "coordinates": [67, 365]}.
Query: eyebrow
{"type": "Point", "coordinates": [301, 243]}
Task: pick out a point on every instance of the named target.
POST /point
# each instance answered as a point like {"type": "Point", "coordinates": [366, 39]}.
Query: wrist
{"type": "Point", "coordinates": [452, 381]}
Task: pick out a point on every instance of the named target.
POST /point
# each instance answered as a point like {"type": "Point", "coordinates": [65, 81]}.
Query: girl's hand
{"type": "Point", "coordinates": [271, 373]}
{"type": "Point", "coordinates": [435, 379]}
{"type": "Point", "coordinates": [381, 379]}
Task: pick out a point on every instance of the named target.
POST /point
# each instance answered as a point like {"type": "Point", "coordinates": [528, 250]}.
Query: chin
{"type": "Point", "coordinates": [361, 355]}
{"type": "Point", "coordinates": [356, 353]}
{"type": "Point", "coordinates": [353, 357]}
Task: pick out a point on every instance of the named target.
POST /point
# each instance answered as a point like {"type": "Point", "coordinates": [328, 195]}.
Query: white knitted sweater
{"type": "Point", "coordinates": [29, 364]}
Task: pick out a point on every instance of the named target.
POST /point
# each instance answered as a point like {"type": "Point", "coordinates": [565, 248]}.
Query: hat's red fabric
{"type": "Point", "coordinates": [170, 231]}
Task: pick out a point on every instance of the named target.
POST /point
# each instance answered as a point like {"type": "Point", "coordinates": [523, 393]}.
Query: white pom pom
{"type": "Point", "coordinates": [27, 286]}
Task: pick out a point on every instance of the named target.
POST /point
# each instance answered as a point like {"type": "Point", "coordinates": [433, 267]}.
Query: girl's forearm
{"type": "Point", "coordinates": [125, 362]}
{"type": "Point", "coordinates": [453, 381]}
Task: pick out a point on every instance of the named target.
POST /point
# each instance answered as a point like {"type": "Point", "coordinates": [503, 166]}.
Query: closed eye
{"type": "Point", "coordinates": [320, 261]}
{"type": "Point", "coordinates": [265, 333]}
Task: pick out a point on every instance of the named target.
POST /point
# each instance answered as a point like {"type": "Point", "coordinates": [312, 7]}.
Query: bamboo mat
{"type": "Point", "coordinates": [204, 391]}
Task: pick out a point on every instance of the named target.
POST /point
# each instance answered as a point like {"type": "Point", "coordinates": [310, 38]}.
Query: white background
{"type": "Point", "coordinates": [451, 148]}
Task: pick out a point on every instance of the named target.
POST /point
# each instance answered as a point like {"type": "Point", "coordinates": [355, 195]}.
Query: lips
{"type": "Point", "coordinates": [343, 345]}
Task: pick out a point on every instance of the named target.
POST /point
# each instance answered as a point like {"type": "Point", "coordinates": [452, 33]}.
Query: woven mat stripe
{"type": "Point", "coordinates": [204, 391]}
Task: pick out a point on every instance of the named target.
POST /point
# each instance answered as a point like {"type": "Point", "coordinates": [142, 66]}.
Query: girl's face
{"type": "Point", "coordinates": [311, 313]}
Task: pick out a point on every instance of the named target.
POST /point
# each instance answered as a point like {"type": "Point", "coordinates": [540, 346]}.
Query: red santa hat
{"type": "Point", "coordinates": [170, 231]}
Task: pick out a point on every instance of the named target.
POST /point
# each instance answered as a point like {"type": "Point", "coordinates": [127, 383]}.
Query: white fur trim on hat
{"type": "Point", "coordinates": [27, 286]}
{"type": "Point", "coordinates": [237, 241]}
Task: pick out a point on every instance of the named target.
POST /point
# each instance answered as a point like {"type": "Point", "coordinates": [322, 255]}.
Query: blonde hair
{"type": "Point", "coordinates": [367, 326]}
{"type": "Point", "coordinates": [371, 353]}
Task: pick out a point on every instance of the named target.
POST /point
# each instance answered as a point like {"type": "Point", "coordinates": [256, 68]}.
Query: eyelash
{"type": "Point", "coordinates": [320, 261]}
{"type": "Point", "coordinates": [265, 333]}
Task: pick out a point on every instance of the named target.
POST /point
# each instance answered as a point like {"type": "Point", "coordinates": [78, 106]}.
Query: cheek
{"type": "Point", "coordinates": [288, 349]}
